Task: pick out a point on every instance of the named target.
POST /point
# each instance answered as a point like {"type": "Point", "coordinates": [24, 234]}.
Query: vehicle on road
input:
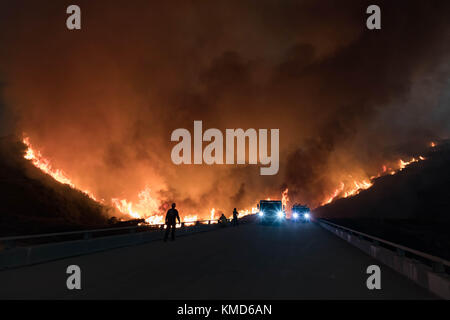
{"type": "Point", "coordinates": [271, 212]}
{"type": "Point", "coordinates": [300, 213]}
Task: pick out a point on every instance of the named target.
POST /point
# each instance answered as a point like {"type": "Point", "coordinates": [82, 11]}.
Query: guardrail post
{"type": "Point", "coordinates": [182, 225]}
{"type": "Point", "coordinates": [209, 221]}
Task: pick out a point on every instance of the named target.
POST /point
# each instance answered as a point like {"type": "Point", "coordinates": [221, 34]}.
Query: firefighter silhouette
{"type": "Point", "coordinates": [171, 218]}
{"type": "Point", "coordinates": [235, 217]}
{"type": "Point", "coordinates": [223, 220]}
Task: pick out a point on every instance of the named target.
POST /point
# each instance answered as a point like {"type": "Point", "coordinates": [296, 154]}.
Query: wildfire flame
{"type": "Point", "coordinates": [353, 188]}
{"type": "Point", "coordinates": [44, 164]}
{"type": "Point", "coordinates": [246, 212]}
{"type": "Point", "coordinates": [404, 164]}
{"type": "Point", "coordinates": [149, 208]}
{"type": "Point", "coordinates": [190, 220]}
{"type": "Point", "coordinates": [212, 217]}
{"type": "Point", "coordinates": [284, 198]}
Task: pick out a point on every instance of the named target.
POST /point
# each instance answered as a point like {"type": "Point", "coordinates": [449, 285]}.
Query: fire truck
{"type": "Point", "coordinates": [301, 213]}
{"type": "Point", "coordinates": [271, 211]}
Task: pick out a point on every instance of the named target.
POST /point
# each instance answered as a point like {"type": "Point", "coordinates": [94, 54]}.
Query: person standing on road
{"type": "Point", "coordinates": [171, 218]}
{"type": "Point", "coordinates": [235, 217]}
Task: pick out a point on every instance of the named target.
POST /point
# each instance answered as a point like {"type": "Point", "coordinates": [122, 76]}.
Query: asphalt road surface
{"type": "Point", "coordinates": [245, 262]}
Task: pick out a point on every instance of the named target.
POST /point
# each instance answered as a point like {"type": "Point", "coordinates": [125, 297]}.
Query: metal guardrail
{"type": "Point", "coordinates": [87, 234]}
{"type": "Point", "coordinates": [437, 262]}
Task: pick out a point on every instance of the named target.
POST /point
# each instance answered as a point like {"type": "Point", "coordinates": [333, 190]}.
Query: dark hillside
{"type": "Point", "coordinates": [33, 202]}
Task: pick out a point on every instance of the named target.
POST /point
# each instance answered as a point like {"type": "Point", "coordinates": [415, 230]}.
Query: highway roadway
{"type": "Point", "coordinates": [245, 262]}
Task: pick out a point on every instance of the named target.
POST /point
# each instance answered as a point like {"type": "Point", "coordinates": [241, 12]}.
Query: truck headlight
{"type": "Point", "coordinates": [307, 216]}
{"type": "Point", "coordinates": [261, 213]}
{"type": "Point", "coordinates": [295, 215]}
{"type": "Point", "coordinates": [280, 214]}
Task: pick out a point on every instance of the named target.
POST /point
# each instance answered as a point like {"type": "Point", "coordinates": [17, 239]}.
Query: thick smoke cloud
{"type": "Point", "coordinates": [103, 101]}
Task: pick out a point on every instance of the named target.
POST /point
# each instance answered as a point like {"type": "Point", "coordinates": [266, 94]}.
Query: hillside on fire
{"type": "Point", "coordinates": [419, 191]}
{"type": "Point", "coordinates": [411, 208]}
{"type": "Point", "coordinates": [33, 202]}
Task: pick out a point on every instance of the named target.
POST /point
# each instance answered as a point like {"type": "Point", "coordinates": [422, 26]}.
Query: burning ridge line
{"type": "Point", "coordinates": [147, 207]}
{"type": "Point", "coordinates": [365, 184]}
